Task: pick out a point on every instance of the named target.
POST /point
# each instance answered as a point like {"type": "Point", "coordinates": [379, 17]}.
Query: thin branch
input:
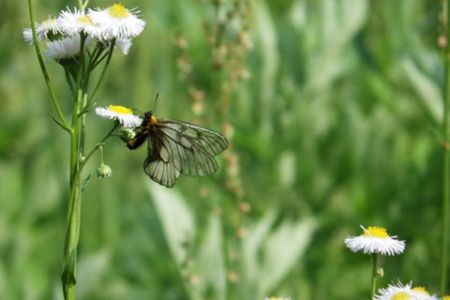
{"type": "Point", "coordinates": [102, 75]}
{"type": "Point", "coordinates": [85, 159]}
{"type": "Point", "coordinates": [61, 118]}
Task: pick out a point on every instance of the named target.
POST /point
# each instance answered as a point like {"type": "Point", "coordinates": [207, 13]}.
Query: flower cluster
{"type": "Point", "coordinates": [406, 292]}
{"type": "Point", "coordinates": [74, 29]}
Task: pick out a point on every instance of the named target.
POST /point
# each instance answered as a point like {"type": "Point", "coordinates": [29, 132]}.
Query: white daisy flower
{"type": "Point", "coordinates": [403, 292]}
{"type": "Point", "coordinates": [76, 22]}
{"type": "Point", "coordinates": [124, 45]}
{"type": "Point", "coordinates": [420, 293]}
{"type": "Point", "coordinates": [121, 114]}
{"type": "Point", "coordinates": [375, 240]}
{"type": "Point", "coordinates": [64, 48]}
{"type": "Point", "coordinates": [27, 35]}
{"type": "Point", "coordinates": [45, 30]}
{"type": "Point", "coordinates": [117, 22]}
{"type": "Point", "coordinates": [395, 291]}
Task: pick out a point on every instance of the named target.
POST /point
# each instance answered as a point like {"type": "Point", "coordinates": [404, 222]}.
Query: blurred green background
{"type": "Point", "coordinates": [332, 108]}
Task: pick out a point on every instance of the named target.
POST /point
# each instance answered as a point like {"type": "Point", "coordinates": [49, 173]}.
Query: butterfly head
{"type": "Point", "coordinates": [149, 118]}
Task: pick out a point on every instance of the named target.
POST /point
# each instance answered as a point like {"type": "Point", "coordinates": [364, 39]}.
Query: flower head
{"type": "Point", "coordinates": [48, 29]}
{"type": "Point", "coordinates": [77, 22]}
{"type": "Point", "coordinates": [403, 292]}
{"type": "Point", "coordinates": [277, 298]}
{"type": "Point", "coordinates": [420, 293]}
{"type": "Point", "coordinates": [65, 48]}
{"type": "Point", "coordinates": [375, 240]}
{"type": "Point", "coordinates": [121, 114]}
{"type": "Point", "coordinates": [117, 22]}
{"type": "Point", "coordinates": [123, 45]}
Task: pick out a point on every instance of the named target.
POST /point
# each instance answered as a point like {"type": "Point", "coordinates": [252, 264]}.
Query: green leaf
{"type": "Point", "coordinates": [176, 219]}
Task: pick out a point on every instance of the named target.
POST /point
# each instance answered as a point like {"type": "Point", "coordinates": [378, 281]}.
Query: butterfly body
{"type": "Point", "coordinates": [176, 147]}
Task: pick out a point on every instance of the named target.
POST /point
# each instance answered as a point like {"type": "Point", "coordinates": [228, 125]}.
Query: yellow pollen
{"type": "Point", "coordinates": [420, 289]}
{"type": "Point", "coordinates": [84, 20]}
{"type": "Point", "coordinates": [446, 298]}
{"type": "Point", "coordinates": [120, 109]}
{"type": "Point", "coordinates": [153, 120]}
{"type": "Point", "coordinates": [401, 296]}
{"type": "Point", "coordinates": [374, 231]}
{"type": "Point", "coordinates": [118, 11]}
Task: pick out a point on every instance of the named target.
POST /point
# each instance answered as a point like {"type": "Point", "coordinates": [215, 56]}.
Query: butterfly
{"type": "Point", "coordinates": [176, 147]}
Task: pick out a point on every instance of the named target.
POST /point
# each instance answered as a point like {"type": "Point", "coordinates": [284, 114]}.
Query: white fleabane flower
{"type": "Point", "coordinates": [76, 22]}
{"type": "Point", "coordinates": [45, 30]}
{"type": "Point", "coordinates": [117, 22]}
{"type": "Point", "coordinates": [27, 35]}
{"type": "Point", "coordinates": [395, 291]}
{"type": "Point", "coordinates": [64, 48]}
{"type": "Point", "coordinates": [124, 45]}
{"type": "Point", "coordinates": [403, 292]}
{"type": "Point", "coordinates": [375, 240]}
{"type": "Point", "coordinates": [121, 114]}
{"type": "Point", "coordinates": [420, 293]}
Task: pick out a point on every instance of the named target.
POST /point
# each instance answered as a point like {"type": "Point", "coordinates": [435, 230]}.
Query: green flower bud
{"type": "Point", "coordinates": [127, 134]}
{"type": "Point", "coordinates": [104, 171]}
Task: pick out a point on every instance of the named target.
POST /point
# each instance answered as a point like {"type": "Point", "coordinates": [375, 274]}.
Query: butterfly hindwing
{"type": "Point", "coordinates": [159, 165]}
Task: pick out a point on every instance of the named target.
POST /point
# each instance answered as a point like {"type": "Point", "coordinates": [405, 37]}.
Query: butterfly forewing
{"type": "Point", "coordinates": [176, 148]}
{"type": "Point", "coordinates": [190, 134]}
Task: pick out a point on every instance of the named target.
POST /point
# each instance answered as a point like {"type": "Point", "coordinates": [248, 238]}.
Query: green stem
{"type": "Point", "coordinates": [102, 75]}
{"type": "Point", "coordinates": [97, 146]}
{"type": "Point", "coordinates": [375, 274]}
{"type": "Point", "coordinates": [61, 119]}
{"type": "Point", "coordinates": [446, 165]}
{"type": "Point", "coordinates": [73, 223]}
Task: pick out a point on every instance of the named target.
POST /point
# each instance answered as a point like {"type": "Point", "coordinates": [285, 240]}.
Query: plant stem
{"type": "Point", "coordinates": [61, 120]}
{"type": "Point", "coordinates": [73, 222]}
{"type": "Point", "coordinates": [375, 274]}
{"type": "Point", "coordinates": [446, 145]}
{"type": "Point", "coordinates": [102, 75]}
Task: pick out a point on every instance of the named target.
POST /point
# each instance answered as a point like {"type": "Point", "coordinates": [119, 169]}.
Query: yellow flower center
{"type": "Point", "coordinates": [401, 296]}
{"type": "Point", "coordinates": [446, 298]}
{"type": "Point", "coordinates": [84, 20]}
{"type": "Point", "coordinates": [420, 289]}
{"type": "Point", "coordinates": [118, 11]}
{"type": "Point", "coordinates": [374, 231]}
{"type": "Point", "coordinates": [120, 109]}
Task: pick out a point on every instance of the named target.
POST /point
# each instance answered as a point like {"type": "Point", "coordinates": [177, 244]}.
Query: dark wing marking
{"type": "Point", "coordinates": [158, 164]}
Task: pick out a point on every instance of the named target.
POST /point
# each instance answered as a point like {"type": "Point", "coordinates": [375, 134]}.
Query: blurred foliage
{"type": "Point", "coordinates": [333, 108]}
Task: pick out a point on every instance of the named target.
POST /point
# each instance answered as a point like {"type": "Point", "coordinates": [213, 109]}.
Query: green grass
{"type": "Point", "coordinates": [336, 127]}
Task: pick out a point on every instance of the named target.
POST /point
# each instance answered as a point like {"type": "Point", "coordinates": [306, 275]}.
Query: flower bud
{"type": "Point", "coordinates": [104, 171]}
{"type": "Point", "coordinates": [127, 134]}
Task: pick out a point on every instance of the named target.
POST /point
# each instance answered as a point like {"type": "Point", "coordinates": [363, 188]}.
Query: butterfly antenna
{"type": "Point", "coordinates": [155, 101]}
